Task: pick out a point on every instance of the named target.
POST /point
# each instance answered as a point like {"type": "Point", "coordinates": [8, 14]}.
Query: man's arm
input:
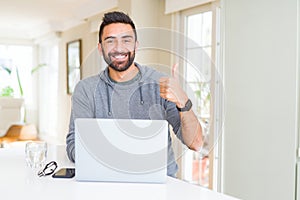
{"type": "Point", "coordinates": [191, 128]}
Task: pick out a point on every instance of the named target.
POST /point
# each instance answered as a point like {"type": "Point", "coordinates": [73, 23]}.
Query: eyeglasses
{"type": "Point", "coordinates": [48, 169]}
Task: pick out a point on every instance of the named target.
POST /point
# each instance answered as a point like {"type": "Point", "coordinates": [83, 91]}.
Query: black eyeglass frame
{"type": "Point", "coordinates": [51, 166]}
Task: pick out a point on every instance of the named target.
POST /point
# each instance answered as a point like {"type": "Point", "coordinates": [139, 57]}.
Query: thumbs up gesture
{"type": "Point", "coordinates": [171, 90]}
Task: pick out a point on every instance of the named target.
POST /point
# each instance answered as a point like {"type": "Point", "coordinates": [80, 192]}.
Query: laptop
{"type": "Point", "coordinates": [121, 150]}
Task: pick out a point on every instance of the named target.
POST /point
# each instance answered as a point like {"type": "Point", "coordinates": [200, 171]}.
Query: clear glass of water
{"type": "Point", "coordinates": [36, 154]}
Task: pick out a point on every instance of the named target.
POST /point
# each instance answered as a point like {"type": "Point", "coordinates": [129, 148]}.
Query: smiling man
{"type": "Point", "coordinates": [128, 90]}
{"type": "Point", "coordinates": [122, 57]}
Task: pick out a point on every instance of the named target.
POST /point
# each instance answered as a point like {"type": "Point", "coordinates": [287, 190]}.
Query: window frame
{"type": "Point", "coordinates": [216, 110]}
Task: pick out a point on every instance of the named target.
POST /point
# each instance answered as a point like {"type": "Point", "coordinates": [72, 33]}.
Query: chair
{"type": "Point", "coordinates": [20, 132]}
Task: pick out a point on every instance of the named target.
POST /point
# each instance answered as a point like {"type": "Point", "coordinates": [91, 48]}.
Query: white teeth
{"type": "Point", "coordinates": [119, 56]}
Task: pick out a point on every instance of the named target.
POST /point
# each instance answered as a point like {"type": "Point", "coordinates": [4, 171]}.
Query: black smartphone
{"type": "Point", "coordinates": [64, 173]}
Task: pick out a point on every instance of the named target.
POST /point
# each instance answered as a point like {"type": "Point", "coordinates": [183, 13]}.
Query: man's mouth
{"type": "Point", "coordinates": [119, 57]}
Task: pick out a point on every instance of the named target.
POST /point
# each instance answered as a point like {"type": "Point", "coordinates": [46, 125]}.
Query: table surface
{"type": "Point", "coordinates": [17, 181]}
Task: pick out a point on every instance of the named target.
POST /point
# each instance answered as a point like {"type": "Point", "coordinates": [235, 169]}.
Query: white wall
{"type": "Point", "coordinates": [260, 103]}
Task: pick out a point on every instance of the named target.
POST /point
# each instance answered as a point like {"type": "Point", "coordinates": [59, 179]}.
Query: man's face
{"type": "Point", "coordinates": [118, 46]}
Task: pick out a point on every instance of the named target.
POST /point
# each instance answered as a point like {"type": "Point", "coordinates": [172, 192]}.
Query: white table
{"type": "Point", "coordinates": [17, 182]}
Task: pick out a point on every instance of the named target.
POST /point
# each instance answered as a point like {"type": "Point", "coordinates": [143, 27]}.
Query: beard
{"type": "Point", "coordinates": [119, 66]}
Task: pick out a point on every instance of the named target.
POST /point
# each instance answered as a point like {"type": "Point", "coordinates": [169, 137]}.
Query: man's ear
{"type": "Point", "coordinates": [136, 45]}
{"type": "Point", "coordinates": [100, 48]}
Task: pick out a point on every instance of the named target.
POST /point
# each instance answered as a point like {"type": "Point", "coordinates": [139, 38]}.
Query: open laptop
{"type": "Point", "coordinates": [121, 150]}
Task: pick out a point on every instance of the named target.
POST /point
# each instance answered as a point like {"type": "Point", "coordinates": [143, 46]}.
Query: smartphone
{"type": "Point", "coordinates": [64, 173]}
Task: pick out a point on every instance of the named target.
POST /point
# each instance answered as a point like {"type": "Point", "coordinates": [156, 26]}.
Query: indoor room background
{"type": "Point", "coordinates": [247, 98]}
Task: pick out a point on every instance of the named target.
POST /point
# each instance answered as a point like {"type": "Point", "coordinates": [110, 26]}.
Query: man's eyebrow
{"type": "Point", "coordinates": [127, 36]}
{"type": "Point", "coordinates": [114, 37]}
{"type": "Point", "coordinates": [110, 37]}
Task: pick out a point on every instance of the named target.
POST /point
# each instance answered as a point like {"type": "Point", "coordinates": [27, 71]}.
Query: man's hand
{"type": "Point", "coordinates": [171, 90]}
{"type": "Point", "coordinates": [191, 129]}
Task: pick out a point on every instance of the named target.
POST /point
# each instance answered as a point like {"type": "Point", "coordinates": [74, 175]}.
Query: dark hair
{"type": "Point", "coordinates": [115, 17]}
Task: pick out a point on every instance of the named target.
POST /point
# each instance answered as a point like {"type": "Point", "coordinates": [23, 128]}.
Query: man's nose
{"type": "Point", "coordinates": [119, 46]}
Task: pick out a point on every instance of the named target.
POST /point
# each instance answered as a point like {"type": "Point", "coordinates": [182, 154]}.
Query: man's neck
{"type": "Point", "coordinates": [124, 76]}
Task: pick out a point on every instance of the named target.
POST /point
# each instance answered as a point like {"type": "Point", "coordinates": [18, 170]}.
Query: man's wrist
{"type": "Point", "coordinates": [187, 106]}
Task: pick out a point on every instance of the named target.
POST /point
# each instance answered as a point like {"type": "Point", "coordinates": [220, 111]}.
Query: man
{"type": "Point", "coordinates": [128, 90]}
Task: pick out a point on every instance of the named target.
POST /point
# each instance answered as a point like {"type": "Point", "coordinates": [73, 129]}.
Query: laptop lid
{"type": "Point", "coordinates": [121, 150]}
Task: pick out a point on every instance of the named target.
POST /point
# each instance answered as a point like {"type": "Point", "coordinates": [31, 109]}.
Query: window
{"type": "Point", "coordinates": [48, 93]}
{"type": "Point", "coordinates": [17, 58]}
{"type": "Point", "coordinates": [200, 48]}
{"type": "Point", "coordinates": [37, 91]}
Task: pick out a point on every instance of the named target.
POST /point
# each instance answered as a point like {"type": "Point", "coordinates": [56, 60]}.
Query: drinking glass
{"type": "Point", "coordinates": [36, 154]}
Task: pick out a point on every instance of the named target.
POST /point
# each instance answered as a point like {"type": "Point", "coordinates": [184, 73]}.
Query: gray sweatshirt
{"type": "Point", "coordinates": [100, 97]}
